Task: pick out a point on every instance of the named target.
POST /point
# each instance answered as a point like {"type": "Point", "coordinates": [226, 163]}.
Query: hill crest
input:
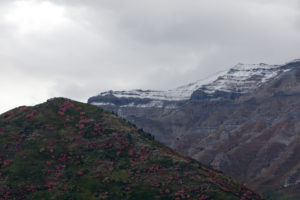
{"type": "Point", "coordinates": [69, 150]}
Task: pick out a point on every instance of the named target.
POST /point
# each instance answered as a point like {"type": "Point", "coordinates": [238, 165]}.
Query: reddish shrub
{"type": "Point", "coordinates": [22, 109]}
{"type": "Point", "coordinates": [81, 126]}
{"type": "Point", "coordinates": [61, 113]}
{"type": "Point", "coordinates": [85, 121]}
{"type": "Point", "coordinates": [30, 115]}
{"type": "Point", "coordinates": [6, 163]}
{"type": "Point", "coordinates": [63, 158]}
{"type": "Point", "coordinates": [48, 163]}
{"type": "Point", "coordinates": [155, 184]}
{"type": "Point", "coordinates": [79, 173]}
{"type": "Point", "coordinates": [76, 163]}
{"type": "Point", "coordinates": [131, 153]}
{"type": "Point", "coordinates": [97, 176]}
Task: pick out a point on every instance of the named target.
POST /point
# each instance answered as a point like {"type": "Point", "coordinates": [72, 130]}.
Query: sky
{"type": "Point", "coordinates": [78, 48]}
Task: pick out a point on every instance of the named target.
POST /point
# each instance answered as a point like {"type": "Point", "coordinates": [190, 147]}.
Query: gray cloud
{"type": "Point", "coordinates": [92, 46]}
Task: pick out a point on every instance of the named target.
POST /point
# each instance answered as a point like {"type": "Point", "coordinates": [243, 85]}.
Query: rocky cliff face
{"type": "Point", "coordinates": [244, 121]}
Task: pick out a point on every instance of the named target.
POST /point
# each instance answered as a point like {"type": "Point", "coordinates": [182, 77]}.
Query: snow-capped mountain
{"type": "Point", "coordinates": [241, 79]}
{"type": "Point", "coordinates": [243, 121]}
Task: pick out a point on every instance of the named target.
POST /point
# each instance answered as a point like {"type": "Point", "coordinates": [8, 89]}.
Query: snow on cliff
{"type": "Point", "coordinates": [242, 78]}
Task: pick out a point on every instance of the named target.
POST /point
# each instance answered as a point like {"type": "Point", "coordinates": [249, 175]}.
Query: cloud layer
{"type": "Point", "coordinates": [77, 48]}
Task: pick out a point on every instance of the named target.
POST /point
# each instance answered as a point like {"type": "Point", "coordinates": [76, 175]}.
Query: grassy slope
{"type": "Point", "coordinates": [68, 150]}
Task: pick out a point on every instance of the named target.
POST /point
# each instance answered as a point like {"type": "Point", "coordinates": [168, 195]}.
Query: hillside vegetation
{"type": "Point", "coordinates": [63, 149]}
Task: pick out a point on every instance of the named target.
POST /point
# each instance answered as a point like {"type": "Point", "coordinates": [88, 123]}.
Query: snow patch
{"type": "Point", "coordinates": [103, 104]}
{"type": "Point", "coordinates": [156, 104]}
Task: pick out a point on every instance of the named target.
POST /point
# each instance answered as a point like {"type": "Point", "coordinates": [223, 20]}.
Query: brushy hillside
{"type": "Point", "coordinates": [63, 149]}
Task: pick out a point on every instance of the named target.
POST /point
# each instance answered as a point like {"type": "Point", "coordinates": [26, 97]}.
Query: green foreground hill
{"type": "Point", "coordinates": [64, 149]}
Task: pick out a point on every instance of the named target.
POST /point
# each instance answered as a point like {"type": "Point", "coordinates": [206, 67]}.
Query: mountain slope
{"type": "Point", "coordinates": [63, 149]}
{"type": "Point", "coordinates": [244, 122]}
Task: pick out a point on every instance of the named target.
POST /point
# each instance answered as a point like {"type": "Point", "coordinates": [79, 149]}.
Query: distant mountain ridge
{"type": "Point", "coordinates": [240, 79]}
{"type": "Point", "coordinates": [244, 121]}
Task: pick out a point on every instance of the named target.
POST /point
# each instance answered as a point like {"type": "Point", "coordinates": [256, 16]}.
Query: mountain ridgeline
{"type": "Point", "coordinates": [64, 149]}
{"type": "Point", "coordinates": [244, 121]}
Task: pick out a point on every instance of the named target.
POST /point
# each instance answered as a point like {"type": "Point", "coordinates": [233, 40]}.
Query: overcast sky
{"type": "Point", "coordinates": [79, 48]}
